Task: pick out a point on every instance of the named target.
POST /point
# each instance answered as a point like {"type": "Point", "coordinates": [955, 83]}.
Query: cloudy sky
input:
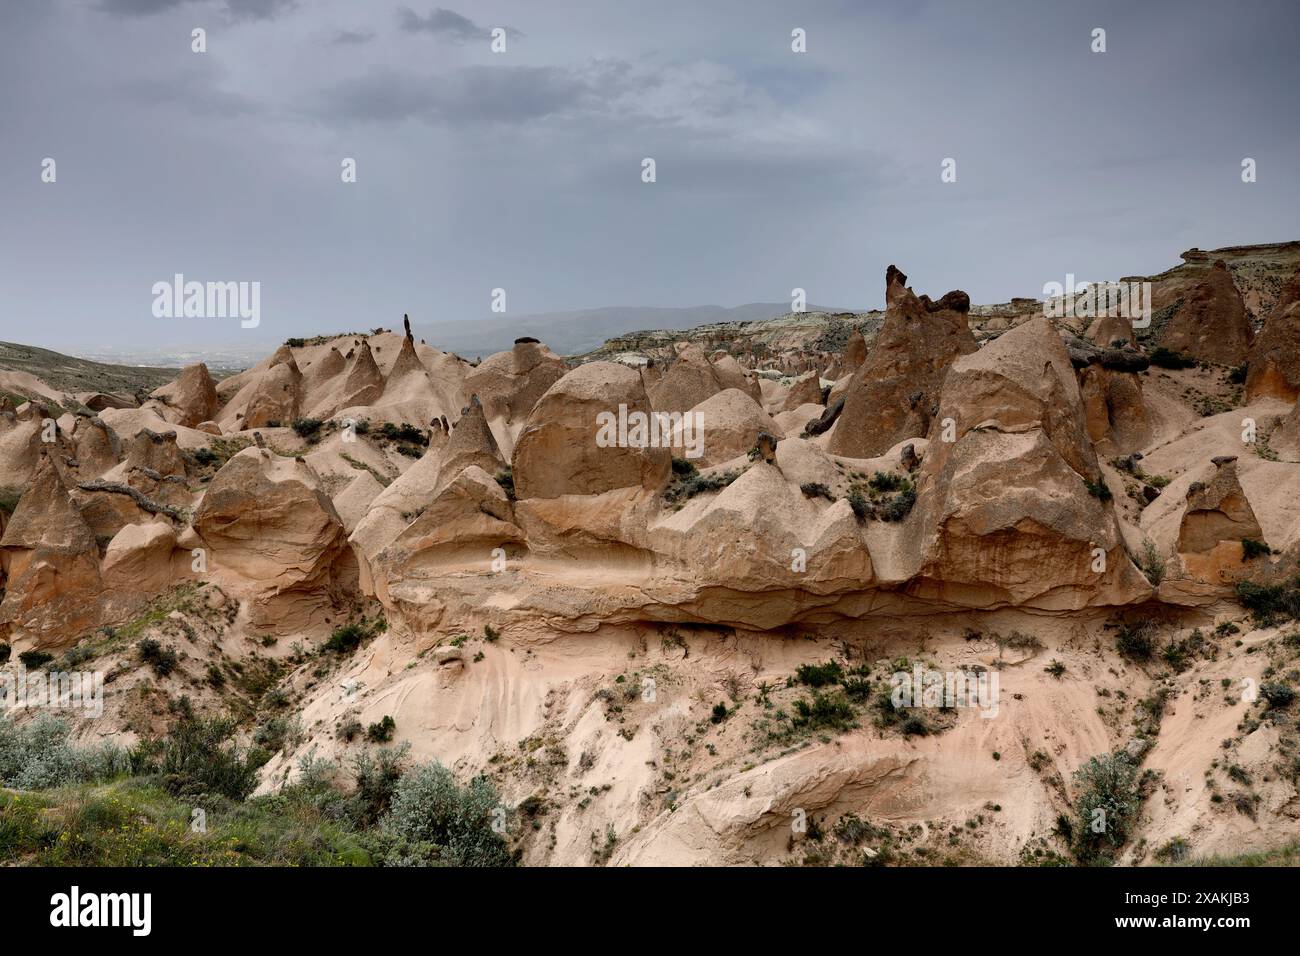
{"type": "Point", "coordinates": [522, 169]}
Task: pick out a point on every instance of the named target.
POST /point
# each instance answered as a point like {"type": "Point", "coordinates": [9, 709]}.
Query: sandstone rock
{"type": "Point", "coordinates": [557, 451]}
{"type": "Point", "coordinates": [1115, 408]}
{"type": "Point", "coordinates": [855, 353]}
{"type": "Point", "coordinates": [1211, 325]}
{"type": "Point", "coordinates": [209, 428]}
{"type": "Point", "coordinates": [53, 587]}
{"type": "Point", "coordinates": [276, 398]}
{"type": "Point", "coordinates": [191, 399]}
{"type": "Point", "coordinates": [267, 519]}
{"type": "Point", "coordinates": [805, 390]}
{"type": "Point", "coordinates": [1217, 510]}
{"type": "Point", "coordinates": [1274, 369]}
{"type": "Point", "coordinates": [1285, 439]}
{"type": "Point", "coordinates": [891, 396]}
{"type": "Point", "coordinates": [1003, 514]}
{"type": "Point", "coordinates": [731, 374]}
{"type": "Point", "coordinates": [732, 422]}
{"type": "Point", "coordinates": [687, 382]}
{"type": "Point", "coordinates": [138, 561]}
{"type": "Point", "coordinates": [510, 383]}
{"type": "Point", "coordinates": [155, 451]}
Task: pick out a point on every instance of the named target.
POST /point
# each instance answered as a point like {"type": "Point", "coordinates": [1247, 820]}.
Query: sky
{"type": "Point", "coordinates": [522, 170]}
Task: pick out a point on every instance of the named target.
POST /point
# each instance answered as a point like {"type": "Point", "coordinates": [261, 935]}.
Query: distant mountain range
{"type": "Point", "coordinates": [567, 333]}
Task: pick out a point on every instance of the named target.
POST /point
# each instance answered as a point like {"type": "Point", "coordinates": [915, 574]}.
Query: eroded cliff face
{"type": "Point", "coordinates": [615, 621]}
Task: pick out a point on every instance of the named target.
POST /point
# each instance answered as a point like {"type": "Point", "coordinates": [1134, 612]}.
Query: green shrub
{"type": "Point", "coordinates": [815, 489]}
{"type": "Point", "coordinates": [163, 660]}
{"type": "Point", "coordinates": [376, 777]}
{"type": "Point", "coordinates": [308, 428]}
{"type": "Point", "coordinates": [382, 732]}
{"type": "Point", "coordinates": [884, 481]}
{"type": "Point", "coordinates": [831, 710]}
{"type": "Point", "coordinates": [198, 757]}
{"type": "Point", "coordinates": [820, 675]}
{"type": "Point", "coordinates": [491, 634]}
{"type": "Point", "coordinates": [1098, 489]}
{"type": "Point", "coordinates": [506, 479]}
{"type": "Point", "coordinates": [1277, 695]}
{"type": "Point", "coordinates": [346, 639]}
{"type": "Point", "coordinates": [38, 755]}
{"type": "Point", "coordinates": [1269, 603]}
{"type": "Point", "coordinates": [35, 659]}
{"type": "Point", "coordinates": [862, 509]}
{"type": "Point", "coordinates": [435, 822]}
{"type": "Point", "coordinates": [1107, 807]}
{"type": "Point", "coordinates": [1251, 549]}
{"type": "Point", "coordinates": [898, 507]}
{"type": "Point", "coordinates": [720, 713]}
{"type": "Point", "coordinates": [1134, 641]}
{"type": "Point", "coordinates": [683, 468]}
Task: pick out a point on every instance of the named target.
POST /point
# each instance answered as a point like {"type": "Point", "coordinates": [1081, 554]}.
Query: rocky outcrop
{"type": "Point", "coordinates": [191, 399]}
{"type": "Point", "coordinates": [1274, 368]}
{"type": "Point", "coordinates": [892, 395]}
{"type": "Point", "coordinates": [1211, 325]}
{"type": "Point", "coordinates": [572, 443]}
{"type": "Point", "coordinates": [1114, 408]}
{"type": "Point", "coordinates": [510, 383]}
{"type": "Point", "coordinates": [266, 520]}
{"type": "Point", "coordinates": [805, 390]}
{"type": "Point", "coordinates": [687, 382]}
{"type": "Point", "coordinates": [731, 423]}
{"type": "Point", "coordinates": [54, 585]}
{"type": "Point", "coordinates": [1011, 511]}
{"type": "Point", "coordinates": [277, 397]}
{"type": "Point", "coordinates": [1217, 514]}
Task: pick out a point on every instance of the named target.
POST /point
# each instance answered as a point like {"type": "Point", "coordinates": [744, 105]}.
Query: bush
{"type": "Point", "coordinates": [1107, 783]}
{"type": "Point", "coordinates": [820, 675]}
{"type": "Point", "coordinates": [824, 710]}
{"type": "Point", "coordinates": [815, 489]}
{"type": "Point", "coordinates": [1269, 603]}
{"type": "Point", "coordinates": [1134, 641]}
{"type": "Point", "coordinates": [720, 713]}
{"type": "Point", "coordinates": [898, 507]}
{"type": "Point", "coordinates": [1151, 563]}
{"type": "Point", "coordinates": [38, 755]}
{"type": "Point", "coordinates": [163, 660]}
{"type": "Point", "coordinates": [405, 433]}
{"type": "Point", "coordinates": [35, 659]}
{"type": "Point", "coordinates": [506, 479]}
{"type": "Point", "coordinates": [382, 732]}
{"type": "Point", "coordinates": [883, 481]}
{"type": "Point", "coordinates": [1162, 357]}
{"type": "Point", "coordinates": [1098, 489]}
{"type": "Point", "coordinates": [376, 776]}
{"type": "Point", "coordinates": [862, 509]}
{"type": "Point", "coordinates": [194, 759]}
{"type": "Point", "coordinates": [683, 468]}
{"type": "Point", "coordinates": [490, 634]}
{"type": "Point", "coordinates": [1277, 695]}
{"type": "Point", "coordinates": [1252, 549]}
{"type": "Point", "coordinates": [435, 822]}
{"type": "Point", "coordinates": [346, 639]}
{"type": "Point", "coordinates": [308, 428]}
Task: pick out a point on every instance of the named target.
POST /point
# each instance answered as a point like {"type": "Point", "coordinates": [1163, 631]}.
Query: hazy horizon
{"type": "Point", "coordinates": [522, 170]}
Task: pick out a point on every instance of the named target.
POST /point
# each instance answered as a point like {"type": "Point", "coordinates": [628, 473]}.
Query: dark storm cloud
{"type": "Point", "coordinates": [446, 23]}
{"type": "Point", "coordinates": [193, 94]}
